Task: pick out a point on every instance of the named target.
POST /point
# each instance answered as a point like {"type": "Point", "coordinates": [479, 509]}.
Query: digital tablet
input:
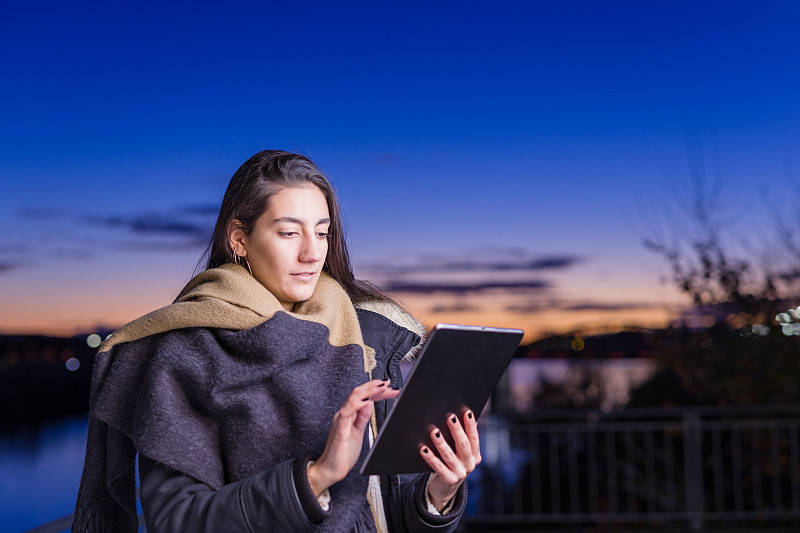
{"type": "Point", "coordinates": [457, 369]}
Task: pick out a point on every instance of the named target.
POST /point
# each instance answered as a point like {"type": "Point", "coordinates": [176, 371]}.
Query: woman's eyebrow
{"type": "Point", "coordinates": [293, 220]}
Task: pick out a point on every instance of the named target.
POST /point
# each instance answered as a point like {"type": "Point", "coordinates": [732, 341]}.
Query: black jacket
{"type": "Point", "coordinates": [280, 498]}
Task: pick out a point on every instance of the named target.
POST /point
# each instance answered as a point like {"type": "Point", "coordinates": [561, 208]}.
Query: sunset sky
{"type": "Point", "coordinates": [497, 163]}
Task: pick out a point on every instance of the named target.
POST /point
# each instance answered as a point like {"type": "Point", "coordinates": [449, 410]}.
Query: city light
{"type": "Point", "coordinates": [93, 340]}
{"type": "Point", "coordinates": [760, 329]}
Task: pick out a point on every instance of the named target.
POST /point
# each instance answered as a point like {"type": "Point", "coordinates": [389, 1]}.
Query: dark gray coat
{"type": "Point", "coordinates": [279, 498]}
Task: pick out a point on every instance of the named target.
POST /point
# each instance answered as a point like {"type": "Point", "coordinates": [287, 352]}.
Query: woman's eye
{"type": "Point", "coordinates": [287, 233]}
{"type": "Point", "coordinates": [322, 234]}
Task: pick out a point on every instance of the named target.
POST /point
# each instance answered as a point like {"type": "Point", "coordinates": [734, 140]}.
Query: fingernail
{"type": "Point", "coordinates": [453, 419]}
{"type": "Point", "coordinates": [424, 449]}
{"type": "Point", "coordinates": [437, 434]}
{"type": "Point", "coordinates": [365, 399]}
{"type": "Point", "coordinates": [469, 415]}
{"type": "Point", "coordinates": [395, 388]}
{"type": "Point", "coordinates": [382, 384]}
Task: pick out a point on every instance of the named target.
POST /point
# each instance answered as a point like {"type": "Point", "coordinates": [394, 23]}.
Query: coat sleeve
{"type": "Point", "coordinates": [278, 499]}
{"type": "Point", "coordinates": [417, 518]}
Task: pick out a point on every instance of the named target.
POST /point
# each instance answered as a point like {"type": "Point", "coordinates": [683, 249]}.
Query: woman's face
{"type": "Point", "coordinates": [287, 247]}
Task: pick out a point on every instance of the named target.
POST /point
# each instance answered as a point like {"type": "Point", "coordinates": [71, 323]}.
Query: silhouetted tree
{"type": "Point", "coordinates": [729, 348]}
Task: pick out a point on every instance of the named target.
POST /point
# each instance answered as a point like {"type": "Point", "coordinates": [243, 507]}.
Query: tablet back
{"type": "Point", "coordinates": [457, 369]}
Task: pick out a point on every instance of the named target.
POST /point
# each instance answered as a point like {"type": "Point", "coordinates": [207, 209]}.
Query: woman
{"type": "Point", "coordinates": [248, 399]}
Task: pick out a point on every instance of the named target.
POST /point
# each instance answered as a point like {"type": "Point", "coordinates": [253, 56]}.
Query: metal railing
{"type": "Point", "coordinates": [696, 466]}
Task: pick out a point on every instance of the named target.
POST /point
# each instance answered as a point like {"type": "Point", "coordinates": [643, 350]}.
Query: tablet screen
{"type": "Point", "coordinates": [457, 369]}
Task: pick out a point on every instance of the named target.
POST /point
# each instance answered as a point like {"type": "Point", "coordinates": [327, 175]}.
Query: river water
{"type": "Point", "coordinates": [40, 470]}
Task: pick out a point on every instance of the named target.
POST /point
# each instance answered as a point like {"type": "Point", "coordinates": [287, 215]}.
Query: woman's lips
{"type": "Point", "coordinates": [304, 276]}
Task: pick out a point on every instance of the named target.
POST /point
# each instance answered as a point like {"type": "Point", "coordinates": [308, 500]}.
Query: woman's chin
{"type": "Point", "coordinates": [300, 294]}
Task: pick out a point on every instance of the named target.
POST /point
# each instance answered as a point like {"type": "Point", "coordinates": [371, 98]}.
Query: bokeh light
{"type": "Point", "coordinates": [93, 340]}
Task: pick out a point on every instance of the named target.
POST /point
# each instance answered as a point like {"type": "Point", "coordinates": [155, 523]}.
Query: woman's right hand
{"type": "Point", "coordinates": [347, 435]}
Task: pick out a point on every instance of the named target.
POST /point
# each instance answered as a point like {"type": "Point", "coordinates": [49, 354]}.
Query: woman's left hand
{"type": "Point", "coordinates": [450, 466]}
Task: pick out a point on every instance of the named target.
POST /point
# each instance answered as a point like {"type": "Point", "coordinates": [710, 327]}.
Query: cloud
{"type": "Point", "coordinates": [506, 270]}
{"type": "Point", "coordinates": [69, 236]}
{"type": "Point", "coordinates": [152, 224]}
{"type": "Point", "coordinates": [461, 288]}
{"type": "Point", "coordinates": [622, 306]}
{"type": "Point", "coordinates": [188, 219]}
{"type": "Point", "coordinates": [6, 267]}
{"type": "Point", "coordinates": [455, 308]}
{"type": "Point", "coordinates": [553, 305]}
{"type": "Point", "coordinates": [173, 230]}
{"type": "Point", "coordinates": [520, 264]}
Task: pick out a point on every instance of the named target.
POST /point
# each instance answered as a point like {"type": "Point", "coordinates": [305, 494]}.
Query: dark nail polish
{"type": "Point", "coordinates": [395, 388]}
{"type": "Point", "coordinates": [469, 415]}
{"type": "Point", "coordinates": [437, 434]}
{"type": "Point", "coordinates": [365, 399]}
{"type": "Point", "coordinates": [382, 384]}
{"type": "Point", "coordinates": [424, 450]}
{"type": "Point", "coordinates": [453, 419]}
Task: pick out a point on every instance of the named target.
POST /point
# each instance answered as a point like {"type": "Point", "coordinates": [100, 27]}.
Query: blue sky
{"type": "Point", "coordinates": [454, 131]}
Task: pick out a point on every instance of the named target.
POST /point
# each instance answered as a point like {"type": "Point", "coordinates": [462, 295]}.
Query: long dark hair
{"type": "Point", "coordinates": [248, 195]}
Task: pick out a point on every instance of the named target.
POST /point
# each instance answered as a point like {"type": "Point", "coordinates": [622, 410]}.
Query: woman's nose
{"type": "Point", "coordinates": [313, 249]}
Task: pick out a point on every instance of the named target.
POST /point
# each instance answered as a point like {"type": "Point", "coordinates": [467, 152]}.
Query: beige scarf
{"type": "Point", "coordinates": [228, 297]}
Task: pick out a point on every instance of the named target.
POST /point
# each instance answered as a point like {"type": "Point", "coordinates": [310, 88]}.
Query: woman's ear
{"type": "Point", "coordinates": [236, 238]}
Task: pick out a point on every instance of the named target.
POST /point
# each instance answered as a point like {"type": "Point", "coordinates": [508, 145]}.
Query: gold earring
{"type": "Point", "coordinates": [238, 260]}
